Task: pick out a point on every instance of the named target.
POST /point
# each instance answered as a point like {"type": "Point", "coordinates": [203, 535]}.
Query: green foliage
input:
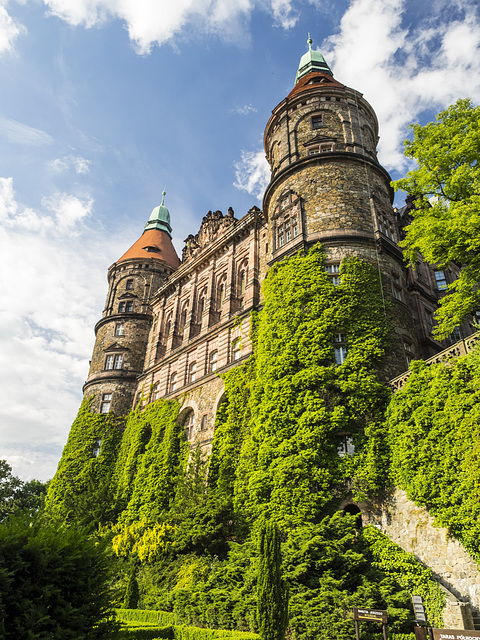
{"type": "Point", "coordinates": [194, 633]}
{"type": "Point", "coordinates": [272, 594]}
{"type": "Point", "coordinates": [17, 496]}
{"type": "Point", "coordinates": [158, 618]}
{"type": "Point", "coordinates": [329, 570]}
{"type": "Point", "coordinates": [446, 220]}
{"type": "Point", "coordinates": [131, 593]}
{"type": "Point", "coordinates": [409, 573]}
{"type": "Point", "coordinates": [152, 453]}
{"type": "Point", "coordinates": [302, 400]}
{"type": "Point", "coordinates": [83, 488]}
{"type": "Point", "coordinates": [434, 435]}
{"type": "Point", "coordinates": [54, 583]}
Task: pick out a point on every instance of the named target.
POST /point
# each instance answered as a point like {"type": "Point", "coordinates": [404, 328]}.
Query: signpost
{"type": "Point", "coordinates": [454, 634]}
{"type": "Point", "coordinates": [372, 615]}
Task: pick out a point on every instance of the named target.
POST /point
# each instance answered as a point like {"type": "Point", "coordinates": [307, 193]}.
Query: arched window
{"type": "Point", "coordinates": [201, 308]}
{"type": "Point", "coordinates": [192, 372]}
{"type": "Point", "coordinates": [236, 349]}
{"type": "Point", "coordinates": [188, 423]}
{"type": "Point", "coordinates": [242, 282]}
{"type": "Point", "coordinates": [213, 361]}
{"type": "Point", "coordinates": [183, 320]}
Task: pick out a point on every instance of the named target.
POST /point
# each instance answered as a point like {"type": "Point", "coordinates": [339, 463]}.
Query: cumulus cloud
{"type": "Point", "coordinates": [9, 30]}
{"type": "Point", "coordinates": [52, 278]}
{"type": "Point", "coordinates": [245, 110]}
{"type": "Point", "coordinates": [77, 163]}
{"type": "Point", "coordinates": [404, 70]}
{"type": "Point", "coordinates": [154, 22]}
{"type": "Point", "coordinates": [19, 133]}
{"type": "Point", "coordinates": [252, 173]}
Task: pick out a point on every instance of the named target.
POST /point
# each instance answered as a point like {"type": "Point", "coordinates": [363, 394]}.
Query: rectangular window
{"type": "Point", "coordinates": [213, 361]}
{"type": "Point", "coordinates": [408, 352]}
{"type": "Point", "coordinates": [121, 307]}
{"type": "Point", "coordinates": [129, 307]}
{"type": "Point", "coordinates": [173, 382]}
{"type": "Point", "coordinates": [106, 402]}
{"type": "Point", "coordinates": [340, 348]}
{"type": "Point", "coordinates": [193, 371]}
{"type": "Point", "coordinates": [441, 280]}
{"type": "Point", "coordinates": [397, 293]}
{"type": "Point", "coordinates": [129, 285]}
{"type": "Point", "coordinates": [345, 446]}
{"type": "Point", "coordinates": [317, 122]}
{"type": "Point", "coordinates": [97, 445]}
{"type": "Point", "coordinates": [288, 231]}
{"type": "Point", "coordinates": [203, 423]}
{"type": "Point", "coordinates": [326, 148]}
{"type": "Point", "coordinates": [313, 151]}
{"type": "Point", "coordinates": [294, 227]}
{"type": "Point", "coordinates": [109, 362]}
{"type": "Point", "coordinates": [117, 364]}
{"type": "Point", "coordinates": [280, 236]}
{"type": "Point", "coordinates": [333, 271]}
{"type": "Point", "coordinates": [120, 329]}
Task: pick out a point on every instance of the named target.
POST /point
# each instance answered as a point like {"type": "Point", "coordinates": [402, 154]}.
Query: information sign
{"type": "Point", "coordinates": [372, 615]}
{"type": "Point", "coordinates": [454, 634]}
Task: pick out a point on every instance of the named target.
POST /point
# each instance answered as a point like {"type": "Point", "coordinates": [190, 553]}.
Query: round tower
{"type": "Point", "coordinates": [121, 334]}
{"type": "Point", "coordinates": [327, 185]}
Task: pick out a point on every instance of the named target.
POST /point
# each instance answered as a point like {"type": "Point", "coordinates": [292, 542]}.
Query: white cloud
{"type": "Point", "coordinates": [53, 287]}
{"type": "Point", "coordinates": [19, 133]}
{"type": "Point", "coordinates": [252, 173]}
{"type": "Point", "coordinates": [77, 163]}
{"type": "Point", "coordinates": [404, 70]}
{"type": "Point", "coordinates": [154, 22]}
{"type": "Point", "coordinates": [9, 30]}
{"type": "Point", "coordinates": [245, 110]}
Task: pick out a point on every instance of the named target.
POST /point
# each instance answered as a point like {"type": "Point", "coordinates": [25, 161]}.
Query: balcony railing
{"type": "Point", "coordinates": [460, 348]}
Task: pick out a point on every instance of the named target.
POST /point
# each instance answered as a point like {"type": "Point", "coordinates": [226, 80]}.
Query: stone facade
{"type": "Point", "coordinates": [413, 529]}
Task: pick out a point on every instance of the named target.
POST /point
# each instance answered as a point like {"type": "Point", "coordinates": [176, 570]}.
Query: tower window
{"type": "Point", "coordinates": [409, 356]}
{"type": "Point", "coordinates": [236, 349]}
{"type": "Point", "coordinates": [326, 148]}
{"type": "Point", "coordinates": [280, 236]}
{"type": "Point", "coordinates": [106, 402]}
{"type": "Point", "coordinates": [213, 361]}
{"type": "Point", "coordinates": [125, 307]}
{"type": "Point", "coordinates": [118, 361]}
{"type": "Point", "coordinates": [317, 121]}
{"type": "Point", "coordinates": [129, 285]}
{"type": "Point", "coordinates": [120, 329]}
{"type": "Point", "coordinates": [345, 446]}
{"type": "Point", "coordinates": [97, 445]}
{"type": "Point", "coordinates": [340, 348]}
{"type": "Point", "coordinates": [109, 362]}
{"type": "Point", "coordinates": [333, 271]}
{"type": "Point", "coordinates": [441, 280]}
{"type": "Point", "coordinates": [313, 151]}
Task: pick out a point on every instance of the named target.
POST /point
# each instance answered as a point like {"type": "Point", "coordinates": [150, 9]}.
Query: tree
{"type": "Point", "coordinates": [53, 582]}
{"type": "Point", "coordinates": [272, 597]}
{"type": "Point", "coordinates": [17, 496]}
{"type": "Point", "coordinates": [131, 594]}
{"type": "Point", "coordinates": [9, 485]}
{"type": "Point", "coordinates": [446, 219]}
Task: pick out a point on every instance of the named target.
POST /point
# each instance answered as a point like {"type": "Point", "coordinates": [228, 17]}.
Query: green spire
{"type": "Point", "coordinates": [312, 61]}
{"type": "Point", "coordinates": [160, 218]}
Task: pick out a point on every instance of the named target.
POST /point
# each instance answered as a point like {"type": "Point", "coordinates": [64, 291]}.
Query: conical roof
{"type": "Point", "coordinates": [156, 240]}
{"type": "Point", "coordinates": [312, 61]}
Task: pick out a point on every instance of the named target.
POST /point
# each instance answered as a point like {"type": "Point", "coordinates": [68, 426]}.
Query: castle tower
{"type": "Point", "coordinates": [122, 333]}
{"type": "Point", "coordinates": [327, 185]}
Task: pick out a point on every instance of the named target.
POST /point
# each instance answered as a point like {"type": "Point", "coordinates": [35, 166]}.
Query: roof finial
{"type": "Point", "coordinates": [310, 42]}
{"type": "Point", "coordinates": [164, 193]}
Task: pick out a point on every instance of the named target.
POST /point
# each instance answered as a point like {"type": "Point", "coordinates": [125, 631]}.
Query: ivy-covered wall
{"type": "Point", "coordinates": [188, 526]}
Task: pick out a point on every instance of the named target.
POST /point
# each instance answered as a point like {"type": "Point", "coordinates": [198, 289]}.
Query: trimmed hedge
{"type": "Point", "coordinates": [140, 627]}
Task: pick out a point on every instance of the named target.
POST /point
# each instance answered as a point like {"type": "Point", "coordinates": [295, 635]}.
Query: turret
{"type": "Point", "coordinates": [122, 332]}
{"type": "Point", "coordinates": [327, 184]}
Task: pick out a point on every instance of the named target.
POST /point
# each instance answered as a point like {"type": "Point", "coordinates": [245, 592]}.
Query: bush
{"type": "Point", "coordinates": [53, 583]}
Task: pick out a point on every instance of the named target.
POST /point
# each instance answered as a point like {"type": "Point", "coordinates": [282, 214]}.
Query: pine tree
{"type": "Point", "coordinates": [272, 596]}
{"type": "Point", "coordinates": [131, 594]}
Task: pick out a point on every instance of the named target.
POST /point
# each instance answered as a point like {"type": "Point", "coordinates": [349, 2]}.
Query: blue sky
{"type": "Point", "coordinates": [103, 104]}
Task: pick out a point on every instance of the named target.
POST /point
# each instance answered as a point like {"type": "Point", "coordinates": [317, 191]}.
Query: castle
{"type": "Point", "coordinates": [171, 326]}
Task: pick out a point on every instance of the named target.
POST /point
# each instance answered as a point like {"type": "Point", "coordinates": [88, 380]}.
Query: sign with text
{"type": "Point", "coordinates": [418, 609]}
{"type": "Point", "coordinates": [371, 615]}
{"type": "Point", "coordinates": [454, 634]}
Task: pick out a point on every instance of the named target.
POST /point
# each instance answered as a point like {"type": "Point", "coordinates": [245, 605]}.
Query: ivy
{"type": "Point", "coordinates": [434, 437]}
